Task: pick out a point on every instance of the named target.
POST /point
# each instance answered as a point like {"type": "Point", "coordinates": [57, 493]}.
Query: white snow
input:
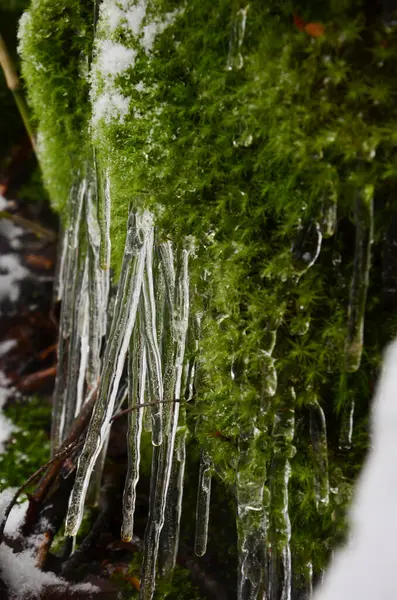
{"type": "Point", "coordinates": [6, 426]}
{"type": "Point", "coordinates": [6, 346]}
{"type": "Point", "coordinates": [365, 569]}
{"type": "Point", "coordinates": [11, 273]}
{"type": "Point", "coordinates": [113, 59]}
{"type": "Point", "coordinates": [110, 105]}
{"type": "Point", "coordinates": [17, 514]}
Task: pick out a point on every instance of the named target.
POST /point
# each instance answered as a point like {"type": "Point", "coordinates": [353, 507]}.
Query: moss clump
{"type": "Point", "coordinates": [56, 42]}
{"type": "Point", "coordinates": [29, 446]}
{"type": "Point", "coordinates": [257, 142]}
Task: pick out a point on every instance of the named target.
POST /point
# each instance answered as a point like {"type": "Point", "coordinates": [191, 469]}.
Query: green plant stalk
{"type": "Point", "coordinates": [14, 85]}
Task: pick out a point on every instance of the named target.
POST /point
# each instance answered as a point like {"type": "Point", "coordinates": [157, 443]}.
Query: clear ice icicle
{"type": "Point", "coordinates": [269, 373]}
{"type": "Point", "coordinates": [251, 521]}
{"type": "Point", "coordinates": [128, 294]}
{"type": "Point", "coordinates": [148, 317]}
{"type": "Point", "coordinates": [75, 359]}
{"type": "Point", "coordinates": [83, 328]}
{"type": "Point", "coordinates": [235, 58]}
{"type": "Point", "coordinates": [70, 274]}
{"type": "Point", "coordinates": [203, 504]}
{"type": "Point", "coordinates": [169, 539]}
{"type": "Point", "coordinates": [360, 279]}
{"type": "Point", "coordinates": [318, 434]}
{"type": "Point", "coordinates": [97, 292]}
{"type": "Point", "coordinates": [76, 200]}
{"type": "Point", "coordinates": [103, 191]}
{"type": "Point", "coordinates": [328, 218]}
{"type": "Point", "coordinates": [163, 455]}
{"type": "Point", "coordinates": [346, 430]}
{"type": "Point", "coordinates": [282, 436]}
{"type": "Point", "coordinates": [137, 367]}
{"type": "Point", "coordinates": [60, 266]}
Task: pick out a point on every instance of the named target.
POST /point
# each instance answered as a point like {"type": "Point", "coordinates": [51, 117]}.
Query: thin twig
{"type": "Point", "coordinates": [14, 85]}
{"type": "Point", "coordinates": [60, 456]}
{"type": "Point", "coordinates": [38, 229]}
{"type": "Point", "coordinates": [128, 410]}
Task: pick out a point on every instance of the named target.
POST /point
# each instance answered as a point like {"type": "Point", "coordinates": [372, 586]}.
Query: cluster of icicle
{"type": "Point", "coordinates": [147, 327]}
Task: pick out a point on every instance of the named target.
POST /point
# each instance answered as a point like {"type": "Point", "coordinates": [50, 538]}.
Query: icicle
{"type": "Point", "coordinates": [235, 58]}
{"type": "Point", "coordinates": [58, 410]}
{"type": "Point", "coordinates": [160, 303]}
{"type": "Point", "coordinates": [76, 200]}
{"type": "Point", "coordinates": [282, 435]}
{"type": "Point", "coordinates": [148, 313]}
{"type": "Point", "coordinates": [60, 266]}
{"type": "Point", "coordinates": [203, 504]}
{"type": "Point", "coordinates": [139, 228]}
{"type": "Point", "coordinates": [269, 375]}
{"type": "Point", "coordinates": [318, 434]}
{"type": "Point", "coordinates": [346, 431]}
{"type": "Point", "coordinates": [251, 521]}
{"type": "Point", "coordinates": [98, 295]}
{"type": "Point", "coordinates": [70, 273]}
{"type": "Point", "coordinates": [103, 187]}
{"type": "Point", "coordinates": [169, 539]}
{"type": "Point", "coordinates": [76, 362]}
{"type": "Point", "coordinates": [307, 246]}
{"type": "Point", "coordinates": [359, 284]}
{"type": "Point", "coordinates": [329, 209]}
{"type": "Point", "coordinates": [137, 366]}
{"type": "Point", "coordinates": [83, 326]}
{"type": "Point", "coordinates": [163, 455]}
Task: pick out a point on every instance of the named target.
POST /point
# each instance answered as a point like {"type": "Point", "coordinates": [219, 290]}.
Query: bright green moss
{"type": "Point", "coordinates": [247, 160]}
{"type": "Point", "coordinates": [29, 447]}
{"type": "Point", "coordinates": [56, 42]}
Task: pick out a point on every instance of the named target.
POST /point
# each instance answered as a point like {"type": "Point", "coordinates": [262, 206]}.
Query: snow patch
{"type": "Point", "coordinates": [6, 346]}
{"type": "Point", "coordinates": [114, 59]}
{"type": "Point", "coordinates": [11, 273]}
{"type": "Point", "coordinates": [17, 514]}
{"type": "Point", "coordinates": [365, 568]}
{"type": "Point", "coordinates": [7, 427]}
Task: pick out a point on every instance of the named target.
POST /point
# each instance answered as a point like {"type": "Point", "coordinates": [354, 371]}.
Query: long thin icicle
{"type": "Point", "coordinates": [318, 433]}
{"type": "Point", "coordinates": [83, 326]}
{"type": "Point", "coordinates": [153, 352]}
{"type": "Point", "coordinates": [162, 455]}
{"type": "Point", "coordinates": [282, 436]}
{"type": "Point", "coordinates": [103, 187]}
{"type": "Point", "coordinates": [359, 284]}
{"type": "Point", "coordinates": [76, 361]}
{"type": "Point", "coordinates": [251, 521]}
{"type": "Point", "coordinates": [137, 367]}
{"type": "Point", "coordinates": [203, 504]}
{"type": "Point", "coordinates": [76, 197]}
{"type": "Point", "coordinates": [169, 540]}
{"type": "Point", "coordinates": [98, 295]}
{"type": "Point", "coordinates": [235, 58]}
{"type": "Point", "coordinates": [139, 229]}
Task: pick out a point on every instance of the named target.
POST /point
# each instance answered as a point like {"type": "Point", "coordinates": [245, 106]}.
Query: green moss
{"type": "Point", "coordinates": [29, 447]}
{"type": "Point", "coordinates": [56, 48]}
{"type": "Point", "coordinates": [247, 160]}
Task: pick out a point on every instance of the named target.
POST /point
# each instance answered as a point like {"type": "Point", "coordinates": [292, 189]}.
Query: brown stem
{"type": "Point", "coordinates": [128, 410]}
{"type": "Point", "coordinates": [14, 85]}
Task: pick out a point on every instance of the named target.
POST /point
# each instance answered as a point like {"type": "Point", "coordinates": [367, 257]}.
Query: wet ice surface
{"type": "Point", "coordinates": [365, 568]}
